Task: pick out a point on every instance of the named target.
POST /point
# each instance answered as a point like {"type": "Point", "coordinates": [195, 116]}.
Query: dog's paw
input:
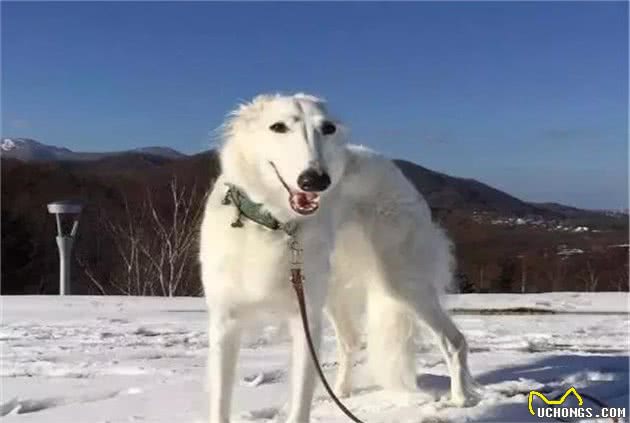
{"type": "Point", "coordinates": [473, 384]}
{"type": "Point", "coordinates": [291, 420]}
{"type": "Point", "coordinates": [342, 390]}
{"type": "Point", "coordinates": [266, 414]}
{"type": "Point", "coordinates": [467, 398]}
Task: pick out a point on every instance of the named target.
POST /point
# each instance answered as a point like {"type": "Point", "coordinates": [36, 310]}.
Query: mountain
{"type": "Point", "coordinates": [28, 150]}
{"type": "Point", "coordinates": [124, 192]}
{"type": "Point", "coordinates": [443, 192]}
{"type": "Point", "coordinates": [452, 193]}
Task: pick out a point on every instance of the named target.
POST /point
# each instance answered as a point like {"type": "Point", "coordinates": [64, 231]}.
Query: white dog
{"type": "Point", "coordinates": [287, 154]}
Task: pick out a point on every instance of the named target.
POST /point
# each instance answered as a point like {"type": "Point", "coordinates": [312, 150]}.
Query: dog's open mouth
{"type": "Point", "coordinates": [301, 202]}
{"type": "Point", "coordinates": [304, 203]}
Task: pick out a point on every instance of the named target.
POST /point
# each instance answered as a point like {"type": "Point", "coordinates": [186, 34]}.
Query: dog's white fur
{"type": "Point", "coordinates": [386, 255]}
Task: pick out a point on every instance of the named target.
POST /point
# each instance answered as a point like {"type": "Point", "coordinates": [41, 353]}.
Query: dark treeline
{"type": "Point", "coordinates": [138, 231]}
{"type": "Point", "coordinates": [126, 242]}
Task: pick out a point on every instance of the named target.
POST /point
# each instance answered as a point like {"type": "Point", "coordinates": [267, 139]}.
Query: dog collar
{"type": "Point", "coordinates": [253, 211]}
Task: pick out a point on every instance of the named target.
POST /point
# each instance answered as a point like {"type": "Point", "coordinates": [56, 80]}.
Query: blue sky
{"type": "Point", "coordinates": [531, 98]}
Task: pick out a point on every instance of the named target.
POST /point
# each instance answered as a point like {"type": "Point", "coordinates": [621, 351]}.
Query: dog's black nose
{"type": "Point", "coordinates": [313, 181]}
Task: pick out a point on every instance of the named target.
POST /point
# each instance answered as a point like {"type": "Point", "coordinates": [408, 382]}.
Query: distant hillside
{"type": "Point", "coordinates": [28, 150]}
{"type": "Point", "coordinates": [492, 230]}
{"type": "Point", "coordinates": [451, 193]}
{"type": "Point", "coordinates": [443, 192]}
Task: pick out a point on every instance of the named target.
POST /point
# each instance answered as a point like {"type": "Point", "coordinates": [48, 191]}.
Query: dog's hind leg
{"type": "Point", "coordinates": [302, 371]}
{"type": "Point", "coordinates": [223, 347]}
{"type": "Point", "coordinates": [455, 350]}
{"type": "Point", "coordinates": [347, 343]}
{"type": "Point", "coordinates": [390, 340]}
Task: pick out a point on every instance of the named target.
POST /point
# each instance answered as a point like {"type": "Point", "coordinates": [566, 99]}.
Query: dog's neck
{"type": "Point", "coordinates": [255, 212]}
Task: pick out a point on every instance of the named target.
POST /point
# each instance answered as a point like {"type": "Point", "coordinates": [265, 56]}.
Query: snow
{"type": "Point", "coordinates": [135, 359]}
{"type": "Point", "coordinates": [559, 302]}
{"type": "Point", "coordinates": [570, 252]}
{"type": "Point", "coordinates": [7, 144]}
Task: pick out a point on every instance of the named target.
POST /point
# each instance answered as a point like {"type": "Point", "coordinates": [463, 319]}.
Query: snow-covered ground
{"type": "Point", "coordinates": [129, 359]}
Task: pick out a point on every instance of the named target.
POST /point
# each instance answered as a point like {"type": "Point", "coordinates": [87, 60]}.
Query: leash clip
{"type": "Point", "coordinates": [297, 260]}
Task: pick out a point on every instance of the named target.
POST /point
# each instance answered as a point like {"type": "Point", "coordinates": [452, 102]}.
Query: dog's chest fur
{"type": "Point", "coordinates": [251, 264]}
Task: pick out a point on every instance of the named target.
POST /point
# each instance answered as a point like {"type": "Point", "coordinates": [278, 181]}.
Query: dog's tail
{"type": "Point", "coordinates": [395, 301]}
{"type": "Point", "coordinates": [391, 330]}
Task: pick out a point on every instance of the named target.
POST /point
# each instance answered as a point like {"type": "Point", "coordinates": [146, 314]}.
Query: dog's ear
{"type": "Point", "coordinates": [256, 105]}
{"type": "Point", "coordinates": [262, 99]}
{"type": "Point", "coordinates": [245, 107]}
{"type": "Point", "coordinates": [309, 97]}
{"type": "Point", "coordinates": [244, 112]}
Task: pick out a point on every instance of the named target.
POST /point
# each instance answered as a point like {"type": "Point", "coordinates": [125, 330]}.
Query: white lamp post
{"type": "Point", "coordinates": [64, 242]}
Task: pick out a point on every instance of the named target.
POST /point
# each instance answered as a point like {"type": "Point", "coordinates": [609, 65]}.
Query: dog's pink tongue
{"type": "Point", "coordinates": [304, 199]}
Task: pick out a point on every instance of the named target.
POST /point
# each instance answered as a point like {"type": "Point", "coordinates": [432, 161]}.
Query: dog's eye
{"type": "Point", "coordinates": [328, 128]}
{"type": "Point", "coordinates": [279, 127]}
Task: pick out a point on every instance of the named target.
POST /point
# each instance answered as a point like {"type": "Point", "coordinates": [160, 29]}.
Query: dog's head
{"type": "Point", "coordinates": [285, 151]}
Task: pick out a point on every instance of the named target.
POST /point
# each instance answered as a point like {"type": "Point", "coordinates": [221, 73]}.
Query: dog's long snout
{"type": "Point", "coordinates": [312, 180]}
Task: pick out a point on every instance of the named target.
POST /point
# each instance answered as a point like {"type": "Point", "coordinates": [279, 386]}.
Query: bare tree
{"type": "Point", "coordinates": [523, 267]}
{"type": "Point", "coordinates": [126, 273]}
{"type": "Point", "coordinates": [589, 276]}
{"type": "Point", "coordinates": [555, 272]}
{"type": "Point", "coordinates": [171, 254]}
{"type": "Point", "coordinates": [154, 245]}
{"type": "Point", "coordinates": [622, 279]}
{"type": "Point", "coordinates": [128, 235]}
{"type": "Point", "coordinates": [87, 270]}
{"type": "Point", "coordinates": [618, 263]}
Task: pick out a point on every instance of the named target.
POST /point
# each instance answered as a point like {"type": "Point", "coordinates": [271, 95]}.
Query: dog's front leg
{"type": "Point", "coordinates": [223, 346]}
{"type": "Point", "coordinates": [303, 372]}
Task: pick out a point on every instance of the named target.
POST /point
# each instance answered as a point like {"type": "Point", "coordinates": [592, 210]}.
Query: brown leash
{"type": "Point", "coordinates": [297, 280]}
